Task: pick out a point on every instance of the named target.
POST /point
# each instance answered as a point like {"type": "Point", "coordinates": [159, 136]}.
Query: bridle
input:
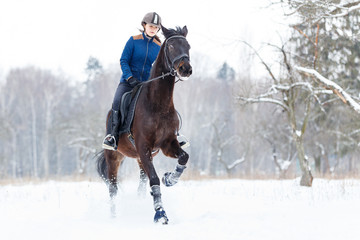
{"type": "Point", "coordinates": [170, 63]}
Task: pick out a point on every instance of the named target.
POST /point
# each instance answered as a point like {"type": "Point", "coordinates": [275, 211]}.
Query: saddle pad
{"type": "Point", "coordinates": [127, 109]}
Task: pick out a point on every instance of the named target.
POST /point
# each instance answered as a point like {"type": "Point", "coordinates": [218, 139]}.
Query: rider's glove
{"type": "Point", "coordinates": [133, 81]}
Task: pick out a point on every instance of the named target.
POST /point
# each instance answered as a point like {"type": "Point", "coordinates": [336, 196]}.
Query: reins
{"type": "Point", "coordinates": [162, 76]}
{"type": "Point", "coordinates": [156, 78]}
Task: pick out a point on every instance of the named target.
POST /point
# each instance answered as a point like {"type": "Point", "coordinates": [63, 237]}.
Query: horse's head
{"type": "Point", "coordinates": [176, 49]}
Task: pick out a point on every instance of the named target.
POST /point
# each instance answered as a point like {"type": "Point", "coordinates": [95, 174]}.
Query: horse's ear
{"type": "Point", "coordinates": [184, 31]}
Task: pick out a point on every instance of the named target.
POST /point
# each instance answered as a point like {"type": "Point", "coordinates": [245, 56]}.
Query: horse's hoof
{"type": "Point", "coordinates": [160, 216]}
{"type": "Point", "coordinates": [113, 190]}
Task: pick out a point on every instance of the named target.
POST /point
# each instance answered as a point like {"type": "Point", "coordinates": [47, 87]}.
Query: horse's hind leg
{"type": "Point", "coordinates": [175, 151]}
{"type": "Point", "coordinates": [143, 180]}
{"type": "Point", "coordinates": [113, 161]}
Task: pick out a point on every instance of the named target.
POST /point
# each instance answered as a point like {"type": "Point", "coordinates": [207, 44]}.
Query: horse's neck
{"type": "Point", "coordinates": [161, 91]}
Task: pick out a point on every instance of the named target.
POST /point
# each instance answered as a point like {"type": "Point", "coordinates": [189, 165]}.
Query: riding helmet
{"type": "Point", "coordinates": [152, 18]}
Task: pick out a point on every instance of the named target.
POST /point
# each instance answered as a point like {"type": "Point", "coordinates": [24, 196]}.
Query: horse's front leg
{"type": "Point", "coordinates": [146, 162]}
{"type": "Point", "coordinates": [175, 151]}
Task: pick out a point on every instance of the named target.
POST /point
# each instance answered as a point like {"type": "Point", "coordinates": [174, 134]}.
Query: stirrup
{"type": "Point", "coordinates": [184, 143]}
{"type": "Point", "coordinates": [109, 147]}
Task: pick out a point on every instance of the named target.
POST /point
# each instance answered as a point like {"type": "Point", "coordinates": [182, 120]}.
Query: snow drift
{"type": "Point", "coordinates": [208, 209]}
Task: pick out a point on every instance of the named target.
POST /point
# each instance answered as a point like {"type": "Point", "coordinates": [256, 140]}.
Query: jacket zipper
{"type": "Point", "coordinates": [147, 50]}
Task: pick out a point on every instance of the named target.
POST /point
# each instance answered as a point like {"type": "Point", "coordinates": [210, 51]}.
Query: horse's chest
{"type": "Point", "coordinates": [166, 122]}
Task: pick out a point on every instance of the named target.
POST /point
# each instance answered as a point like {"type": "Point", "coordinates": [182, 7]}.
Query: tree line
{"type": "Point", "coordinates": [303, 119]}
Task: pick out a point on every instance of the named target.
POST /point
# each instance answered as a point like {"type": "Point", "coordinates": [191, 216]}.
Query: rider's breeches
{"type": "Point", "coordinates": [121, 89]}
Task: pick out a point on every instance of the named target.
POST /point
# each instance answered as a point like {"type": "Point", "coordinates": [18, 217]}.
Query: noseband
{"type": "Point", "coordinates": [171, 63]}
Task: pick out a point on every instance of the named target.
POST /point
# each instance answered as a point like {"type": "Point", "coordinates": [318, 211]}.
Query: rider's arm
{"type": "Point", "coordinates": [126, 58]}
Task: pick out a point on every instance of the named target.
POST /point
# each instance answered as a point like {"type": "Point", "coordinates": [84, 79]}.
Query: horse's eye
{"type": "Point", "coordinates": [171, 47]}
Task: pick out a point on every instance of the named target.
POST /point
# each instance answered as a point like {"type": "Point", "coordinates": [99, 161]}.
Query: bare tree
{"type": "Point", "coordinates": [287, 93]}
{"type": "Point", "coordinates": [221, 143]}
{"type": "Point", "coordinates": [8, 130]}
{"type": "Point", "coordinates": [281, 164]}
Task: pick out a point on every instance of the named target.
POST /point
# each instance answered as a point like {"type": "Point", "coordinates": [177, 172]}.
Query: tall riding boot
{"type": "Point", "coordinates": [111, 140]}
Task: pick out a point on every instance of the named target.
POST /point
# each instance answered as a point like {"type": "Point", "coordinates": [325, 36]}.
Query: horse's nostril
{"type": "Point", "coordinates": [190, 70]}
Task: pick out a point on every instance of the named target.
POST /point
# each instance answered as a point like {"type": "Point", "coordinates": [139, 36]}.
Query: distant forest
{"type": "Point", "coordinates": [301, 120]}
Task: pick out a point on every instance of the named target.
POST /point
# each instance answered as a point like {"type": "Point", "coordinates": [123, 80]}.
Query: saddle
{"type": "Point", "coordinates": [127, 109]}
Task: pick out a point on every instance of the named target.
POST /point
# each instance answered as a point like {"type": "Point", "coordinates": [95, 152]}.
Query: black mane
{"type": "Point", "coordinates": [172, 32]}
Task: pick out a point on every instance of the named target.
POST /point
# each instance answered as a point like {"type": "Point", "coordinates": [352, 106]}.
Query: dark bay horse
{"type": "Point", "coordinates": [155, 123]}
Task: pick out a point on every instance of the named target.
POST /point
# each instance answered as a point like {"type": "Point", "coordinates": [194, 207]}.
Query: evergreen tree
{"type": "Point", "coordinates": [226, 73]}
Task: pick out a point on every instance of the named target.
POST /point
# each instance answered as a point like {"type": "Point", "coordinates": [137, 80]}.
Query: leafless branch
{"type": "Point", "coordinates": [295, 10]}
{"type": "Point", "coordinates": [235, 163]}
{"type": "Point", "coordinates": [264, 100]}
{"type": "Point", "coordinates": [344, 96]}
{"type": "Point", "coordinates": [344, 10]}
{"type": "Point", "coordinates": [262, 61]}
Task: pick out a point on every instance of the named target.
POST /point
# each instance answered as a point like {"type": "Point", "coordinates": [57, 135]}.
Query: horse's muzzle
{"type": "Point", "coordinates": [184, 70]}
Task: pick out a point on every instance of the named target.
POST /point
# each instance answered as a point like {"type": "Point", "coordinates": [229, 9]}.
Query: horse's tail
{"type": "Point", "coordinates": [102, 168]}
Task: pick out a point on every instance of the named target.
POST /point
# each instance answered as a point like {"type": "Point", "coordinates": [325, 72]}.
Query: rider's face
{"type": "Point", "coordinates": [151, 30]}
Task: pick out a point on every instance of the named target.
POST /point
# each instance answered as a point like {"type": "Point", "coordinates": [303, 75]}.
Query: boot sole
{"type": "Point", "coordinates": [185, 145]}
{"type": "Point", "coordinates": [107, 147]}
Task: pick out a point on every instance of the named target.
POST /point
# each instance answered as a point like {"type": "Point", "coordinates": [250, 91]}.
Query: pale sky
{"type": "Point", "coordinates": [61, 35]}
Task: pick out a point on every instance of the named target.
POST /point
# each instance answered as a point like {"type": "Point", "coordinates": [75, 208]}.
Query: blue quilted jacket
{"type": "Point", "coordinates": [138, 56]}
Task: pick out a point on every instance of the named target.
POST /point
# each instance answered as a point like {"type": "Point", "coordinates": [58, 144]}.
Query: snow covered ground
{"type": "Point", "coordinates": [208, 209]}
